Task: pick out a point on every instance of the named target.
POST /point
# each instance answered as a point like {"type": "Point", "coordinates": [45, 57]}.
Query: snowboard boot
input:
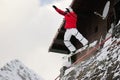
{"type": "Point", "coordinates": [72, 52]}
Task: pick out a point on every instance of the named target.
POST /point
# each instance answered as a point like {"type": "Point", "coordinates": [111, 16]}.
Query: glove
{"type": "Point", "coordinates": [54, 7]}
{"type": "Point", "coordinates": [67, 10]}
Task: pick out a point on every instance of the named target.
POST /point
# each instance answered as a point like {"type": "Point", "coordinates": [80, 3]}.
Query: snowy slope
{"type": "Point", "coordinates": [105, 65]}
{"type": "Point", "coordinates": [15, 70]}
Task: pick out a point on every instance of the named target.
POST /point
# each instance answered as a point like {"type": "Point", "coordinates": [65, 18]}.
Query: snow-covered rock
{"type": "Point", "coordinates": [15, 70]}
{"type": "Point", "coordinates": [104, 65]}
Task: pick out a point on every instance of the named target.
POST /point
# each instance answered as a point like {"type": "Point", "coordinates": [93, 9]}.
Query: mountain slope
{"type": "Point", "coordinates": [104, 65]}
{"type": "Point", "coordinates": [15, 70]}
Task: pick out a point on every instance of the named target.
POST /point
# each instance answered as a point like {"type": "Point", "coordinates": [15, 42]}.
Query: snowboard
{"type": "Point", "coordinates": [82, 49]}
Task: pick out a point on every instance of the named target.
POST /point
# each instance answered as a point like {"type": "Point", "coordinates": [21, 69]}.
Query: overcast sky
{"type": "Point", "coordinates": [27, 28]}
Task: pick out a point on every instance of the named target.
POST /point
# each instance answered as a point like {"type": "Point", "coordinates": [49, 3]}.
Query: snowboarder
{"type": "Point", "coordinates": [71, 28]}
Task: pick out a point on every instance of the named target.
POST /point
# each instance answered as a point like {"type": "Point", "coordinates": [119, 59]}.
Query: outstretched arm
{"type": "Point", "coordinates": [59, 10]}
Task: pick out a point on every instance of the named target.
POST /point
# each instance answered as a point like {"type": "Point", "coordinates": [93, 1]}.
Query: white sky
{"type": "Point", "coordinates": [26, 32]}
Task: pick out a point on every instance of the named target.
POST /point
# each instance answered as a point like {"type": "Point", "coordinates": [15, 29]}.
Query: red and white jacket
{"type": "Point", "coordinates": [70, 18]}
